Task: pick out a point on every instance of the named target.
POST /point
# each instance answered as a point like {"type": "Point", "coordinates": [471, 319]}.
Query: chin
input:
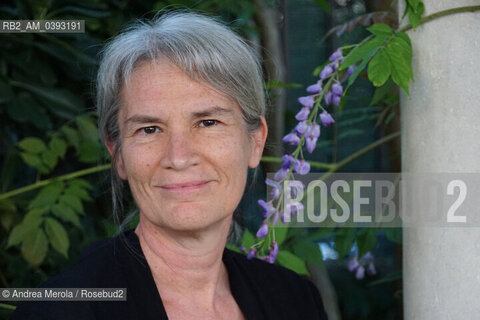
{"type": "Point", "coordinates": [187, 217]}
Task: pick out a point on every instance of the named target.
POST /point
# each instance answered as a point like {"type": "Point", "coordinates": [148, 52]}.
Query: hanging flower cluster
{"type": "Point", "coordinates": [328, 89]}
{"type": "Point", "coordinates": [362, 265]}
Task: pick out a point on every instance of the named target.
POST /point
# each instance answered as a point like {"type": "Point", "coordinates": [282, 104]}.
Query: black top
{"type": "Point", "coordinates": [261, 290]}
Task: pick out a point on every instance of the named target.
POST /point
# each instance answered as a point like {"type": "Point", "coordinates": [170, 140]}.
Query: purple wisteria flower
{"type": "Point", "coordinates": [326, 119]}
{"type": "Point", "coordinates": [311, 137]}
{"type": "Point", "coordinates": [277, 188]}
{"type": "Point", "coordinates": [275, 217]}
{"type": "Point", "coordinates": [359, 266]}
{"type": "Point", "coordinates": [327, 97]}
{"type": "Point", "coordinates": [351, 70]}
{"type": "Point", "coordinates": [273, 253]}
{"type": "Point", "coordinates": [302, 115]}
{"type": "Point", "coordinates": [301, 127]}
{"type": "Point", "coordinates": [326, 72]}
{"type": "Point", "coordinates": [337, 89]}
{"type": "Point", "coordinates": [315, 88]}
{"type": "Point", "coordinates": [287, 161]}
{"type": "Point", "coordinates": [301, 167]}
{"type": "Point", "coordinates": [268, 208]}
{"type": "Point", "coordinates": [336, 56]}
{"type": "Point", "coordinates": [263, 230]}
{"type": "Point", "coordinates": [336, 100]}
{"type": "Point", "coordinates": [251, 253]}
{"type": "Point", "coordinates": [292, 138]}
{"type": "Point", "coordinates": [307, 101]}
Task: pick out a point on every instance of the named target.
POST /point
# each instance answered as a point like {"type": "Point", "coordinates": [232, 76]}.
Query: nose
{"type": "Point", "coordinates": [179, 152]}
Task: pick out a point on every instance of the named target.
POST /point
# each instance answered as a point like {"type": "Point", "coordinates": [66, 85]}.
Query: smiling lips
{"type": "Point", "coordinates": [185, 187]}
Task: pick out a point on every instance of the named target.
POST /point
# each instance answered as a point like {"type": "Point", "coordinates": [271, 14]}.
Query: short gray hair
{"type": "Point", "coordinates": [203, 47]}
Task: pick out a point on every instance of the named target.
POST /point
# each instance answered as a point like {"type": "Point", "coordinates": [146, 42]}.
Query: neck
{"type": "Point", "coordinates": [186, 264]}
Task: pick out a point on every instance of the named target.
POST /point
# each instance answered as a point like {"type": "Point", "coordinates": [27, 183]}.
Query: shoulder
{"type": "Point", "coordinates": [100, 265]}
{"type": "Point", "coordinates": [285, 291]}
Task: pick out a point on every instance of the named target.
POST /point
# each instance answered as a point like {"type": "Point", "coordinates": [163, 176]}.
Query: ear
{"type": "Point", "coordinates": [259, 138]}
{"type": "Point", "coordinates": [117, 159]}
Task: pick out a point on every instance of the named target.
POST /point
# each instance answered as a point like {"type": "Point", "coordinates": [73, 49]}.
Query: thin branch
{"type": "Point", "coordinates": [360, 153]}
{"type": "Point", "coordinates": [320, 165]}
{"type": "Point", "coordinates": [441, 14]}
{"type": "Point", "coordinates": [64, 177]}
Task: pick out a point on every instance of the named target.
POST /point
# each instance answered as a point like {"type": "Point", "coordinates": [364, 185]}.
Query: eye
{"type": "Point", "coordinates": [208, 123]}
{"type": "Point", "coordinates": [150, 130]}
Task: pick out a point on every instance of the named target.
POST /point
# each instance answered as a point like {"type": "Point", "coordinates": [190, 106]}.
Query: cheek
{"type": "Point", "coordinates": [138, 162]}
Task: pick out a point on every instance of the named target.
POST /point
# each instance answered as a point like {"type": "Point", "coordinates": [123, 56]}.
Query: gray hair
{"type": "Point", "coordinates": [204, 48]}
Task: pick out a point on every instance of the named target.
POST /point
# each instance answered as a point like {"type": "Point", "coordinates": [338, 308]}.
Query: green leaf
{"type": "Point", "coordinates": [415, 14]}
{"type": "Point", "coordinates": [248, 239]}
{"type": "Point", "coordinates": [280, 234]}
{"type": "Point", "coordinates": [403, 48]}
{"type": "Point", "coordinates": [57, 236]}
{"type": "Point", "coordinates": [379, 68]}
{"type": "Point", "coordinates": [406, 38]}
{"type": "Point", "coordinates": [292, 262]}
{"type": "Point", "coordinates": [78, 192]}
{"type": "Point", "coordinates": [272, 84]}
{"type": "Point", "coordinates": [17, 235]}
{"type": "Point", "coordinates": [49, 158]}
{"type": "Point", "coordinates": [366, 240]}
{"type": "Point", "coordinates": [67, 214]}
{"type": "Point", "coordinates": [380, 29]}
{"type": "Point", "coordinates": [233, 248]}
{"type": "Point", "coordinates": [32, 216]}
{"type": "Point", "coordinates": [7, 213]}
{"type": "Point", "coordinates": [72, 201]}
{"type": "Point", "coordinates": [47, 196]}
{"type": "Point", "coordinates": [355, 74]}
{"type": "Point", "coordinates": [401, 70]}
{"type": "Point", "coordinates": [32, 160]}
{"type": "Point", "coordinates": [80, 183]}
{"type": "Point", "coordinates": [72, 136]}
{"type": "Point", "coordinates": [35, 247]}
{"type": "Point", "coordinates": [344, 239]}
{"type": "Point", "coordinates": [363, 52]}
{"type": "Point", "coordinates": [58, 146]}
{"type": "Point", "coordinates": [382, 92]}
{"type": "Point", "coordinates": [32, 145]}
{"type": "Point", "coordinates": [413, 3]}
{"type": "Point", "coordinates": [87, 128]}
{"type": "Point", "coordinates": [89, 151]}
{"type": "Point", "coordinates": [308, 251]}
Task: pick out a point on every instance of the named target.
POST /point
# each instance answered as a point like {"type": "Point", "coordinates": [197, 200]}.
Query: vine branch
{"type": "Point", "coordinates": [443, 13]}
{"type": "Point", "coordinates": [64, 177]}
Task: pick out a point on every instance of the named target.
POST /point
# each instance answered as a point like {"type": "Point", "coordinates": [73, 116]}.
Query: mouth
{"type": "Point", "coordinates": [185, 186]}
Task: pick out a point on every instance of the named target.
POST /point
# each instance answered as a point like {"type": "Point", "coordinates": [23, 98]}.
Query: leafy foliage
{"type": "Point", "coordinates": [414, 9]}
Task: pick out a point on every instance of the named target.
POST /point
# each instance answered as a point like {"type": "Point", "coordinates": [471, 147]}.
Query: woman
{"type": "Point", "coordinates": [181, 111]}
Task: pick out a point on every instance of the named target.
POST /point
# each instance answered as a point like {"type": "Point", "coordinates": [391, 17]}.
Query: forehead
{"type": "Point", "coordinates": [161, 82]}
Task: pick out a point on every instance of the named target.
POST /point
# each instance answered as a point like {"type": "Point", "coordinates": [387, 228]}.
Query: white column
{"type": "Point", "coordinates": [441, 133]}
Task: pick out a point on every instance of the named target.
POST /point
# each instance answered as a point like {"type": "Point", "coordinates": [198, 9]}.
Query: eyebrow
{"type": "Point", "coordinates": [138, 118]}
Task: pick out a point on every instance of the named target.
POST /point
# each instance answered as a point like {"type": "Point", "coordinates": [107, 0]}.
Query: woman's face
{"type": "Point", "coordinates": [184, 148]}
